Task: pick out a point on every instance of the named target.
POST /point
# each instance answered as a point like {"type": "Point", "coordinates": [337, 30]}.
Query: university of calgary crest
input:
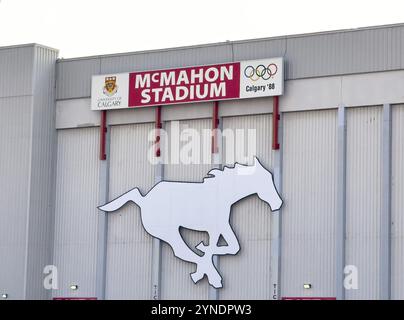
{"type": "Point", "coordinates": [110, 87]}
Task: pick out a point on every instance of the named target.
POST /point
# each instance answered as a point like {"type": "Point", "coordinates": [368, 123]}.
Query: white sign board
{"type": "Point", "coordinates": [236, 80]}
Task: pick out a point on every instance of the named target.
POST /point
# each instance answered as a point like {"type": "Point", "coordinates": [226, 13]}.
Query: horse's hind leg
{"type": "Point", "coordinates": [207, 267]}
{"type": "Point", "coordinates": [204, 264]}
{"type": "Point", "coordinates": [183, 252]}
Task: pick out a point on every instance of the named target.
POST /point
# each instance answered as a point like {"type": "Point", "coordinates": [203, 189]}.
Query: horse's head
{"type": "Point", "coordinates": [266, 190]}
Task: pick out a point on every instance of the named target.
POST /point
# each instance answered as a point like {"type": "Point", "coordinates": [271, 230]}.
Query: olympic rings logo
{"type": "Point", "coordinates": [261, 71]}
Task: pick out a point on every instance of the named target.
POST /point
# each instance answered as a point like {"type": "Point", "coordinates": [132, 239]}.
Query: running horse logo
{"type": "Point", "coordinates": [202, 206]}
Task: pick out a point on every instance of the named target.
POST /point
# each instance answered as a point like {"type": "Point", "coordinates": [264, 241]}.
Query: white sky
{"type": "Point", "coordinates": [90, 27]}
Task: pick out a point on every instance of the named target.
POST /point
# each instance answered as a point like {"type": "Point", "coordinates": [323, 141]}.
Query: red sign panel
{"type": "Point", "coordinates": [184, 85]}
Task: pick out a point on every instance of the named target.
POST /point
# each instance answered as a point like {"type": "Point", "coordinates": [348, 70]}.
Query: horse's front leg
{"type": "Point", "coordinates": [232, 246]}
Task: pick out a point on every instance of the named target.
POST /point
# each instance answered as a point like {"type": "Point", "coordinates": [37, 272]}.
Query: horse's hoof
{"type": "Point", "coordinates": [217, 284]}
{"type": "Point", "coordinates": [215, 280]}
{"type": "Point", "coordinates": [196, 276]}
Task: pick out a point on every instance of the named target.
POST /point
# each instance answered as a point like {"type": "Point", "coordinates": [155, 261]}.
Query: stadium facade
{"type": "Point", "coordinates": [333, 139]}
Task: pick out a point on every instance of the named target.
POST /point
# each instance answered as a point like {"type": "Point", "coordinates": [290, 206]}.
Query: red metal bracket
{"type": "Point", "coordinates": [215, 126]}
{"type": "Point", "coordinates": [103, 134]}
{"type": "Point", "coordinates": [275, 123]}
{"type": "Point", "coordinates": [158, 127]}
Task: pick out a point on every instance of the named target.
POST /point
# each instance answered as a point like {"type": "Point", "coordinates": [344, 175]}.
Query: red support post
{"type": "Point", "coordinates": [215, 126]}
{"type": "Point", "coordinates": [158, 127]}
{"type": "Point", "coordinates": [103, 134]}
{"type": "Point", "coordinates": [275, 123]}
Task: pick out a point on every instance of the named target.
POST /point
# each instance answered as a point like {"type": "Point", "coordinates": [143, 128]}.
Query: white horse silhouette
{"type": "Point", "coordinates": [202, 206]}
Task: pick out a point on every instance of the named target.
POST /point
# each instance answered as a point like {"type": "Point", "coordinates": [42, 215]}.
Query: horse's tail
{"type": "Point", "coordinates": [132, 195]}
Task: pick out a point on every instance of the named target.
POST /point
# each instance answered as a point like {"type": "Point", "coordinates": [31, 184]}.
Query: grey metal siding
{"type": "Point", "coordinates": [129, 246]}
{"type": "Point", "coordinates": [166, 59]}
{"type": "Point", "coordinates": [259, 49]}
{"type": "Point", "coordinates": [377, 50]}
{"type": "Point", "coordinates": [345, 52]}
{"type": "Point", "coordinates": [363, 199]}
{"type": "Point", "coordinates": [312, 55]}
{"type": "Point", "coordinates": [15, 133]}
{"type": "Point", "coordinates": [16, 70]}
{"type": "Point", "coordinates": [250, 219]}
{"type": "Point", "coordinates": [41, 195]}
{"type": "Point", "coordinates": [27, 102]}
{"type": "Point", "coordinates": [397, 226]}
{"type": "Point", "coordinates": [73, 78]}
{"type": "Point", "coordinates": [318, 55]}
{"type": "Point", "coordinates": [309, 192]}
{"type": "Point", "coordinates": [76, 211]}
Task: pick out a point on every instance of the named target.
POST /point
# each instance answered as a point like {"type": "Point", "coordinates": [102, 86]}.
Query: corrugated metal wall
{"type": "Point", "coordinates": [15, 131]}
{"type": "Point", "coordinates": [345, 52]}
{"type": "Point", "coordinates": [175, 278]}
{"type": "Point", "coordinates": [250, 218]}
{"type": "Point", "coordinates": [170, 59]}
{"type": "Point", "coordinates": [73, 78]}
{"type": "Point", "coordinates": [363, 198]}
{"type": "Point", "coordinates": [308, 215]}
{"type": "Point", "coordinates": [43, 156]}
{"type": "Point", "coordinates": [26, 167]}
{"type": "Point", "coordinates": [397, 216]}
{"type": "Point", "coordinates": [129, 250]}
{"type": "Point", "coordinates": [312, 55]}
{"type": "Point", "coordinates": [16, 65]}
{"type": "Point", "coordinates": [309, 194]}
{"type": "Point", "coordinates": [77, 193]}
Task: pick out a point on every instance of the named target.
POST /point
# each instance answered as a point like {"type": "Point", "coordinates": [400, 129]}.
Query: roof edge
{"type": "Point", "coordinates": [28, 45]}
{"type": "Point", "coordinates": [230, 42]}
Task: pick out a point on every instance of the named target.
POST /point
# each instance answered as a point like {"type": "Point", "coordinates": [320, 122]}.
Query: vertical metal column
{"type": "Point", "coordinates": [102, 227]}
{"type": "Point", "coordinates": [156, 245]}
{"type": "Point", "coordinates": [213, 294]}
{"type": "Point", "coordinates": [276, 218]}
{"type": "Point", "coordinates": [341, 204]}
{"type": "Point", "coordinates": [385, 218]}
